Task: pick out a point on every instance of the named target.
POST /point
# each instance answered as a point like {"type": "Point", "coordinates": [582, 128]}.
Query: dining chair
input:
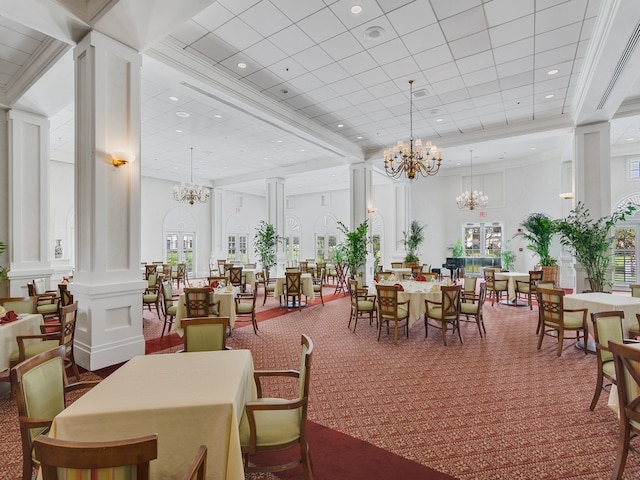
{"type": "Point", "coordinates": [170, 303]}
{"type": "Point", "coordinates": [391, 310]}
{"type": "Point", "coordinates": [199, 302]}
{"type": "Point", "coordinates": [555, 319]}
{"type": "Point", "coordinates": [626, 359]}
{"type": "Point", "coordinates": [444, 312]}
{"type": "Point", "coordinates": [269, 285]}
{"type": "Point", "coordinates": [66, 297]}
{"type": "Point", "coordinates": [304, 266]}
{"type": "Point", "coordinates": [606, 326]}
{"type": "Point", "coordinates": [52, 336]}
{"type": "Point", "coordinates": [40, 384]}
{"type": "Point", "coordinates": [319, 267]}
{"type": "Point", "coordinates": [416, 270]}
{"type": "Point", "coordinates": [383, 275]}
{"type": "Point", "coordinates": [341, 276]}
{"type": "Point", "coordinates": [273, 424]}
{"type": "Point", "coordinates": [245, 304]}
{"type": "Point", "coordinates": [167, 271]}
{"type": "Point", "coordinates": [47, 301]}
{"type": "Point", "coordinates": [528, 287]}
{"type": "Point", "coordinates": [19, 304]}
{"type": "Point", "coordinates": [318, 282]}
{"type": "Point", "coordinates": [235, 277]}
{"type": "Point", "coordinates": [542, 284]}
{"type": "Point", "coordinates": [495, 288]}
{"type": "Point", "coordinates": [293, 290]}
{"type": "Point", "coordinates": [150, 269]}
{"type": "Point", "coordinates": [634, 329]}
{"type": "Point", "coordinates": [152, 294]}
{"type": "Point", "coordinates": [469, 285]}
{"type": "Point", "coordinates": [205, 334]}
{"type": "Point", "coordinates": [396, 264]}
{"type": "Point", "coordinates": [362, 304]}
{"type": "Point", "coordinates": [180, 275]}
{"type": "Point", "coordinates": [471, 306]}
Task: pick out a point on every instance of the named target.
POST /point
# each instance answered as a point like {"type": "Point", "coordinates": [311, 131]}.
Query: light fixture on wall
{"type": "Point", "coordinates": [402, 158]}
{"type": "Point", "coordinates": [121, 158]}
{"type": "Point", "coordinates": [471, 199]}
{"type": "Point", "coordinates": [372, 210]}
{"type": "Point", "coordinates": [567, 196]}
{"type": "Point", "coordinates": [190, 193]}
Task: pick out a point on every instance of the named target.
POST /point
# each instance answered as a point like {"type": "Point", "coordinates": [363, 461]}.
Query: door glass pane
{"type": "Point", "coordinates": [319, 247]}
{"type": "Point", "coordinates": [624, 255]}
{"type": "Point", "coordinates": [493, 240]}
{"type": "Point", "coordinates": [472, 241]}
{"type": "Point", "coordinates": [231, 247]}
{"type": "Point", "coordinates": [172, 248]}
{"type": "Point", "coordinates": [332, 244]}
{"type": "Point", "coordinates": [242, 242]}
{"type": "Point", "coordinates": [187, 251]}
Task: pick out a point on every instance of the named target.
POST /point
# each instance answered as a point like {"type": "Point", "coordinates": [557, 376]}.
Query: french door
{"type": "Point", "coordinates": [180, 249]}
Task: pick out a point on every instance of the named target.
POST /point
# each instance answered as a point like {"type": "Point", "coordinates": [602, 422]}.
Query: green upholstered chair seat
{"type": "Point", "coordinates": [501, 284]}
{"type": "Point", "coordinates": [150, 298]}
{"type": "Point", "coordinates": [19, 306]}
{"type": "Point", "coordinates": [33, 349]}
{"type": "Point", "coordinates": [274, 427]}
{"type": "Point", "coordinates": [47, 392]}
{"type": "Point", "coordinates": [172, 310]}
{"type": "Point", "coordinates": [402, 313]}
{"type": "Point", "coordinates": [634, 330]}
{"type": "Point", "coordinates": [467, 307]}
{"type": "Point", "coordinates": [609, 368]}
{"type": "Point", "coordinates": [366, 305]}
{"type": "Point", "coordinates": [317, 288]}
{"type": "Point", "coordinates": [244, 307]}
{"type": "Point", "coordinates": [270, 287]}
{"type": "Point", "coordinates": [523, 287]}
{"type": "Point", "coordinates": [436, 313]}
{"type": "Point", "coordinates": [47, 308]}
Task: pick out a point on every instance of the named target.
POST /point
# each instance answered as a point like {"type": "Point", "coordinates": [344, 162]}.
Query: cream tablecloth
{"type": "Point", "coordinates": [306, 283]}
{"type": "Point", "coordinates": [601, 302]}
{"type": "Point", "coordinates": [227, 308]}
{"type": "Point", "coordinates": [27, 324]}
{"type": "Point", "coordinates": [416, 293]}
{"type": "Point", "coordinates": [511, 278]}
{"type": "Point", "coordinates": [188, 399]}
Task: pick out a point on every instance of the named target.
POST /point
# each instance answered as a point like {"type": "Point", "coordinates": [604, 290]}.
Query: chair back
{"type": "Point", "coordinates": [112, 459]}
{"type": "Point", "coordinates": [197, 301]}
{"type": "Point", "coordinates": [68, 316]}
{"type": "Point", "coordinates": [167, 270]}
{"type": "Point", "coordinates": [205, 334]}
{"type": "Point", "coordinates": [39, 286]}
{"type": "Point", "coordinates": [167, 294]}
{"type": "Point", "coordinates": [66, 297]}
{"type": "Point", "coordinates": [182, 270]}
{"type": "Point", "coordinates": [152, 281]}
{"type": "Point", "coordinates": [535, 276]}
{"type": "Point", "coordinates": [626, 359]}
{"type": "Point", "coordinates": [148, 270]}
{"type": "Point", "coordinates": [635, 290]}
{"type": "Point", "coordinates": [450, 300]}
{"type": "Point", "coordinates": [20, 304]}
{"type": "Point", "coordinates": [490, 278]}
{"type": "Point", "coordinates": [293, 283]}
{"type": "Point", "coordinates": [383, 275]}
{"type": "Point", "coordinates": [319, 267]}
{"type": "Point", "coordinates": [416, 270]}
{"type": "Point", "coordinates": [430, 276]}
{"type": "Point", "coordinates": [550, 305]}
{"type": "Point", "coordinates": [211, 281]}
{"type": "Point", "coordinates": [396, 264]}
{"type": "Point", "coordinates": [387, 300]}
{"type": "Point", "coordinates": [469, 286]}
{"type": "Point", "coordinates": [221, 264]}
{"type": "Point", "coordinates": [607, 326]}
{"type": "Point", "coordinates": [304, 266]}
{"type": "Point", "coordinates": [250, 265]}
{"type": "Point", "coordinates": [235, 276]}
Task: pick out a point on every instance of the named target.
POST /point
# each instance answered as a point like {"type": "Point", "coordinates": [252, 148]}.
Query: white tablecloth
{"type": "Point", "coordinates": [601, 302]}
{"type": "Point", "coordinates": [306, 283]}
{"type": "Point", "coordinates": [188, 399]}
{"type": "Point", "coordinates": [227, 308]}
{"type": "Point", "coordinates": [511, 278]}
{"type": "Point", "coordinates": [27, 324]}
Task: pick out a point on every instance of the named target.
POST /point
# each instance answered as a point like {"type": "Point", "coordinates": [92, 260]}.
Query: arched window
{"type": "Point", "coordinates": [326, 237]}
{"type": "Point", "coordinates": [179, 229]}
{"type": "Point", "coordinates": [292, 240]}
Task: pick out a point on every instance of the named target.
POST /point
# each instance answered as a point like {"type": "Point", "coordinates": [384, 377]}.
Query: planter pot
{"type": "Point", "coordinates": [551, 274]}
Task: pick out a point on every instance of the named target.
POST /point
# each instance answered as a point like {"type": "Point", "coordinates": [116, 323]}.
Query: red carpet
{"type": "Point", "coordinates": [339, 456]}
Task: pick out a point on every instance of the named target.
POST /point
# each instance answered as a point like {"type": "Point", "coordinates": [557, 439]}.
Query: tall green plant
{"type": "Point", "coordinates": [538, 231]}
{"type": "Point", "coordinates": [354, 248]}
{"type": "Point", "coordinates": [458, 249]}
{"type": "Point", "coordinates": [590, 240]}
{"type": "Point", "coordinates": [412, 240]}
{"type": "Point", "coordinates": [3, 270]}
{"type": "Point", "coordinates": [264, 243]}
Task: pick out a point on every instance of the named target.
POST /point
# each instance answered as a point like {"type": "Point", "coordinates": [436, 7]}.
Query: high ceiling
{"type": "Point", "coordinates": [323, 87]}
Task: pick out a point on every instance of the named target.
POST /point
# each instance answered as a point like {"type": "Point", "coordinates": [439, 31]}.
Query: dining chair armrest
{"type": "Point", "coordinates": [404, 303]}
{"type": "Point", "coordinates": [81, 385]}
{"type": "Point", "coordinates": [43, 336]}
{"type": "Point", "coordinates": [35, 422]}
{"type": "Point", "coordinates": [258, 374]}
{"type": "Point", "coordinates": [575, 310]}
{"type": "Point", "coordinates": [49, 328]}
{"type": "Point", "coordinates": [251, 407]}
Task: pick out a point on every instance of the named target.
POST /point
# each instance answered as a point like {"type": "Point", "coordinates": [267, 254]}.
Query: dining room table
{"type": "Point", "coordinates": [512, 288]}
{"type": "Point", "coordinates": [416, 292]}
{"type": "Point", "coordinates": [227, 298]}
{"type": "Point", "coordinates": [26, 324]}
{"type": "Point", "coordinates": [596, 302]}
{"type": "Point", "coordinates": [188, 399]}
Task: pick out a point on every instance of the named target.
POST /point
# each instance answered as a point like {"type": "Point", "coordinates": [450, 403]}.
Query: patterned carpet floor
{"type": "Point", "coordinates": [491, 408]}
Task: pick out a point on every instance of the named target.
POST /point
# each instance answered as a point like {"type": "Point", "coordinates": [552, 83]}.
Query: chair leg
{"type": "Point", "coordinates": [560, 342]}
{"type": "Point", "coordinates": [444, 332]}
{"type": "Point", "coordinates": [596, 394]}
{"type": "Point", "coordinates": [540, 336]}
{"type": "Point", "coordinates": [623, 450]}
{"type": "Point", "coordinates": [74, 366]}
{"type": "Point", "coordinates": [457, 326]}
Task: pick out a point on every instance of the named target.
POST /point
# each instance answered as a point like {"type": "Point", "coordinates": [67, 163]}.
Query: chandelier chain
{"type": "Point", "coordinates": [190, 193]}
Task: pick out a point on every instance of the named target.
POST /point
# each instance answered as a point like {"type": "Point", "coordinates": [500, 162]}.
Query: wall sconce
{"type": "Point", "coordinates": [121, 158]}
{"type": "Point", "coordinates": [372, 210]}
{"type": "Point", "coordinates": [567, 196]}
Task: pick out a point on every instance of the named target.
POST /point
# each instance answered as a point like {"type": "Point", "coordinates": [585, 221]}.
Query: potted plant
{"type": "Point", "coordinates": [264, 243]}
{"type": "Point", "coordinates": [538, 230]}
{"type": "Point", "coordinates": [354, 248]}
{"type": "Point", "coordinates": [3, 272]}
{"type": "Point", "coordinates": [508, 258]}
{"type": "Point", "coordinates": [458, 249]}
{"type": "Point", "coordinates": [412, 240]}
{"type": "Point", "coordinates": [590, 240]}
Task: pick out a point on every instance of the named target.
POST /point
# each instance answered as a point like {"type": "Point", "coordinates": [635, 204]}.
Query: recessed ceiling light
{"type": "Point", "coordinates": [183, 114]}
{"type": "Point", "coordinates": [266, 158]}
{"type": "Point", "coordinates": [458, 164]}
{"type": "Point", "coordinates": [340, 125]}
{"type": "Point", "coordinates": [356, 9]}
{"type": "Point", "coordinates": [279, 141]}
{"type": "Point", "coordinates": [552, 72]}
{"type": "Point", "coordinates": [551, 95]}
{"type": "Point", "coordinates": [173, 99]}
{"type": "Point", "coordinates": [242, 65]}
{"type": "Point", "coordinates": [359, 137]}
{"type": "Point", "coordinates": [631, 139]}
{"type": "Point", "coordinates": [217, 115]}
{"type": "Point", "coordinates": [374, 33]}
{"type": "Point", "coordinates": [439, 119]}
{"type": "Point", "coordinates": [302, 149]}
{"type": "Point", "coordinates": [533, 148]}
{"type": "Point", "coordinates": [178, 130]}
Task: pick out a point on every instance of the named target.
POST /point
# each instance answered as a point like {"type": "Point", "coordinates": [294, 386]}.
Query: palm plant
{"type": "Point", "coordinates": [538, 231]}
{"type": "Point", "coordinates": [354, 248]}
{"type": "Point", "coordinates": [264, 243]}
{"type": "Point", "coordinates": [3, 270]}
{"type": "Point", "coordinates": [412, 240]}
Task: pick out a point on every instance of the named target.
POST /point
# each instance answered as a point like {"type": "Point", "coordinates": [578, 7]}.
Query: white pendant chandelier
{"type": "Point", "coordinates": [190, 193]}
{"type": "Point", "coordinates": [471, 199]}
{"type": "Point", "coordinates": [402, 158]}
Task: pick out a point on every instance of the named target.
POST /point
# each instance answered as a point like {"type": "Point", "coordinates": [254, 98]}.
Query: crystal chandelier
{"type": "Point", "coordinates": [190, 193]}
{"type": "Point", "coordinates": [472, 199]}
{"type": "Point", "coordinates": [402, 158]}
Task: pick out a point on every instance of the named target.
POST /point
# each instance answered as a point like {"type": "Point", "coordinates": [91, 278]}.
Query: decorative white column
{"type": "Point", "coordinates": [592, 178]}
{"type": "Point", "coordinates": [275, 215]}
{"type": "Point", "coordinates": [218, 244]}
{"type": "Point", "coordinates": [361, 192]}
{"type": "Point", "coordinates": [107, 284]}
{"type": "Point", "coordinates": [28, 200]}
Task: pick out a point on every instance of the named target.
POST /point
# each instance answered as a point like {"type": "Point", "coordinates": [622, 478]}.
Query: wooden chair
{"type": "Point", "coordinates": [390, 310]}
{"type": "Point", "coordinates": [235, 277]}
{"type": "Point", "coordinates": [269, 285]}
{"type": "Point", "coordinates": [304, 266]}
{"type": "Point", "coordinates": [495, 288]}
{"type": "Point", "coordinates": [20, 304]}
{"type": "Point", "coordinates": [634, 330]}
{"type": "Point", "coordinates": [318, 282]}
{"type": "Point", "coordinates": [167, 271]}
{"type": "Point", "coordinates": [150, 269]}
{"type": "Point", "coordinates": [416, 270]}
{"type": "Point", "coordinates": [319, 267]}
{"type": "Point", "coordinates": [221, 263]}
{"type": "Point", "coordinates": [445, 312]}
{"type": "Point", "coordinates": [66, 297]}
{"type": "Point", "coordinates": [152, 294]}
{"type": "Point", "coordinates": [205, 334]}
{"type": "Point", "coordinates": [469, 288]}
{"type": "Point", "coordinates": [383, 275]}
{"type": "Point", "coordinates": [528, 288]}
{"type": "Point", "coordinates": [170, 303]}
{"type": "Point", "coordinates": [626, 360]}
{"type": "Point", "coordinates": [293, 290]}
{"type": "Point", "coordinates": [555, 319]}
{"type": "Point", "coordinates": [62, 335]}
{"type": "Point", "coordinates": [542, 284]}
{"type": "Point", "coordinates": [262, 428]}
{"type": "Point", "coordinates": [362, 304]}
{"type": "Point", "coordinates": [47, 301]}
{"type": "Point", "coordinates": [40, 384]}
{"type": "Point", "coordinates": [606, 326]}
{"type": "Point", "coordinates": [245, 304]}
{"type": "Point", "coordinates": [180, 275]}
{"type": "Point", "coordinates": [341, 277]}
{"type": "Point", "coordinates": [471, 306]}
{"type": "Point", "coordinates": [396, 264]}
{"type": "Point", "coordinates": [199, 302]}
